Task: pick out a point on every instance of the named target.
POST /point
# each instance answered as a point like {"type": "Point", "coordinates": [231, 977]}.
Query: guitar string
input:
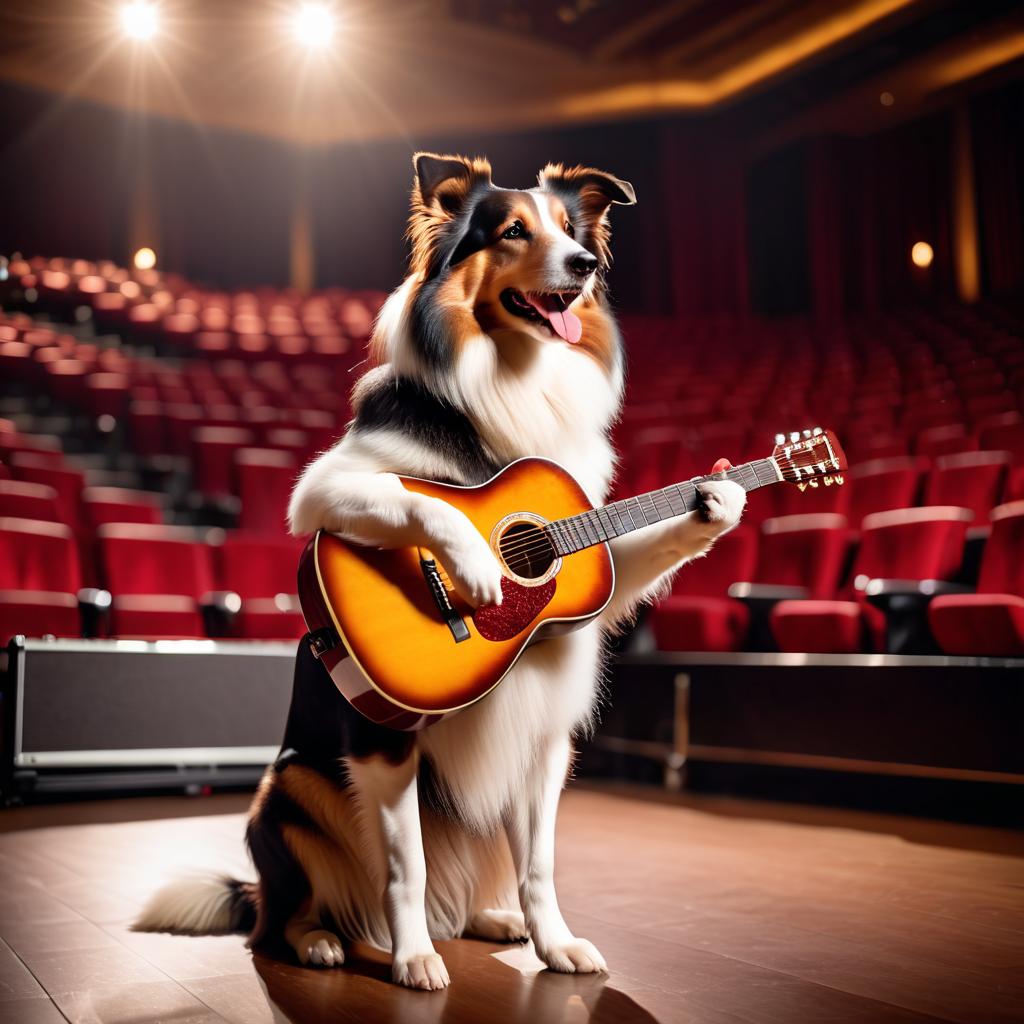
{"type": "Point", "coordinates": [660, 502]}
{"type": "Point", "coordinates": [537, 546]}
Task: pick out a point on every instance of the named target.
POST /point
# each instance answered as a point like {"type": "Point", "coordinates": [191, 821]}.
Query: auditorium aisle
{"type": "Point", "coordinates": [713, 911]}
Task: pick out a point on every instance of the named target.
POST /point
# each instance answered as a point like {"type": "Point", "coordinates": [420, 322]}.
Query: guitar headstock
{"type": "Point", "coordinates": [809, 458]}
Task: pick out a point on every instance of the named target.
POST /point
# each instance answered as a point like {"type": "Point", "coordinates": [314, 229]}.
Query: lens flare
{"type": "Point", "coordinates": [313, 26]}
{"type": "Point", "coordinates": [144, 259]}
{"type": "Point", "coordinates": [139, 21]}
{"type": "Point", "coordinates": [922, 254]}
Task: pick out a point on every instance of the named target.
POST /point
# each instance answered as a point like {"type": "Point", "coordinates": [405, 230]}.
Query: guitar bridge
{"type": "Point", "coordinates": [439, 585]}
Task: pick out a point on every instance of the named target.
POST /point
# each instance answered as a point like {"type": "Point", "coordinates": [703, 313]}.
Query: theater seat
{"type": "Point", "coordinates": [23, 500]}
{"type": "Point", "coordinates": [883, 484]}
{"type": "Point", "coordinates": [38, 613]}
{"type": "Point", "coordinates": [819, 627]}
{"type": "Point", "coordinates": [990, 621]}
{"type": "Point", "coordinates": [265, 478]}
{"type": "Point", "coordinates": [156, 617]}
{"type": "Point", "coordinates": [157, 575]}
{"type": "Point", "coordinates": [972, 480]}
{"type": "Point", "coordinates": [901, 544]}
{"type": "Point", "coordinates": [67, 482]}
{"type": "Point", "coordinates": [39, 579]}
{"type": "Point", "coordinates": [807, 551]}
{"type": "Point", "coordinates": [699, 615]}
{"type": "Point", "coordinates": [104, 505]}
{"type": "Point", "coordinates": [262, 570]}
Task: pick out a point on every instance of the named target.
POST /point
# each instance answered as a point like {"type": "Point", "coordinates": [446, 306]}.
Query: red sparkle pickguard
{"type": "Point", "coordinates": [519, 606]}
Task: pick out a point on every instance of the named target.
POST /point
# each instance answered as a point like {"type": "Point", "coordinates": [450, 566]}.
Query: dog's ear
{"type": "Point", "coordinates": [587, 193]}
{"type": "Point", "coordinates": [444, 182]}
{"type": "Point", "coordinates": [596, 190]}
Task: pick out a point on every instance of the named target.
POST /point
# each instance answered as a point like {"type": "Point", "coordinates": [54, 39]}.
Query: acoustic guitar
{"type": "Point", "coordinates": [405, 650]}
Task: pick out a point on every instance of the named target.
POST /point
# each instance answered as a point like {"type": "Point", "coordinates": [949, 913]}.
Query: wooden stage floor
{"type": "Point", "coordinates": [707, 910]}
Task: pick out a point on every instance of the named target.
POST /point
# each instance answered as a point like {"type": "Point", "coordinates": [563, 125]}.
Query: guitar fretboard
{"type": "Point", "coordinates": [603, 524]}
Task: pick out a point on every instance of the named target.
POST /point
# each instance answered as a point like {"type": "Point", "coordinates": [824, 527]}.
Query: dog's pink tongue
{"type": "Point", "coordinates": [564, 322]}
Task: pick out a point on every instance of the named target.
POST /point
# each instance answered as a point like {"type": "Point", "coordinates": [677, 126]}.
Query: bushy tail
{"type": "Point", "coordinates": [210, 905]}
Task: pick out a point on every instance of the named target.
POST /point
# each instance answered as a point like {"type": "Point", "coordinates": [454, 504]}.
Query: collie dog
{"type": "Point", "coordinates": [499, 344]}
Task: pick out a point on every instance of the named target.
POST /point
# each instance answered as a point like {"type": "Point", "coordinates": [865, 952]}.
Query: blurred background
{"type": "Point", "coordinates": [202, 207]}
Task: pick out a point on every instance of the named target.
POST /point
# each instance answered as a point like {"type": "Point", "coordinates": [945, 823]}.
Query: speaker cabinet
{"type": "Point", "coordinates": [95, 715]}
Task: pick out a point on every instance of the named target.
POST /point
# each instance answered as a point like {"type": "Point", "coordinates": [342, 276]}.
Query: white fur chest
{"type": "Point", "coordinates": [554, 402]}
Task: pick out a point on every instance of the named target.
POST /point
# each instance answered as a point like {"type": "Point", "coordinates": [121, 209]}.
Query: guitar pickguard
{"type": "Point", "coordinates": [519, 607]}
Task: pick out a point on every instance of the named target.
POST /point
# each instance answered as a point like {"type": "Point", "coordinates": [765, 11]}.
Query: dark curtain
{"type": "Point", "coordinates": [909, 178]}
{"type": "Point", "coordinates": [997, 128]}
{"type": "Point", "coordinates": [778, 208]}
{"type": "Point", "coordinates": [703, 219]}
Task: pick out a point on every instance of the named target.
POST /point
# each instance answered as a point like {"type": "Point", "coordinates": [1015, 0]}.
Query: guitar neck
{"type": "Point", "coordinates": [610, 521]}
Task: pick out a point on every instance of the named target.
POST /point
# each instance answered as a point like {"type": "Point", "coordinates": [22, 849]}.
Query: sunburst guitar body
{"type": "Point", "coordinates": [402, 646]}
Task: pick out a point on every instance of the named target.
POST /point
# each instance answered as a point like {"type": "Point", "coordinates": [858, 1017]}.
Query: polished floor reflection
{"type": "Point", "coordinates": [706, 910]}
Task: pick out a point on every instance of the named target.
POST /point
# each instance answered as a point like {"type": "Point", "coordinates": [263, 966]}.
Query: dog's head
{"type": "Point", "coordinates": [508, 261]}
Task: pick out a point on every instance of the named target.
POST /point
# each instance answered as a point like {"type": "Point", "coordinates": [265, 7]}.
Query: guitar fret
{"type": "Point", "coordinates": [599, 525]}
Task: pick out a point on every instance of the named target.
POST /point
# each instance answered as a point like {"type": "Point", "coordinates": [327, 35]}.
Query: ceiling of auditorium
{"type": "Point", "coordinates": [410, 68]}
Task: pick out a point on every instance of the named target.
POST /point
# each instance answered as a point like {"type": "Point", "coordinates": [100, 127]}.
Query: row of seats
{"type": "Point", "coordinates": [927, 402]}
{"type": "Point", "coordinates": [810, 583]}
{"type": "Point", "coordinates": [191, 320]}
{"type": "Point", "coordinates": [158, 582]}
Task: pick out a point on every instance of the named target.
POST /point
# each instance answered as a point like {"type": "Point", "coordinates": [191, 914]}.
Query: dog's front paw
{"type": "Point", "coordinates": [320, 949]}
{"type": "Point", "coordinates": [722, 503]}
{"type": "Point", "coordinates": [421, 970]}
{"type": "Point", "coordinates": [577, 956]}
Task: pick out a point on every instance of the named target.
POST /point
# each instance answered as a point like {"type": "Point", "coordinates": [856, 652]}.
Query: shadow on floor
{"type": "Point", "coordinates": [484, 988]}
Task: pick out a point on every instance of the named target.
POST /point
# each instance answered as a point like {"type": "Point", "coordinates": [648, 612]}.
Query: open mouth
{"type": "Point", "coordinates": [548, 308]}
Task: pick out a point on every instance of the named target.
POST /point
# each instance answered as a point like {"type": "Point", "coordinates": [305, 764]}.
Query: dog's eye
{"type": "Point", "coordinates": [570, 230]}
{"type": "Point", "coordinates": [514, 230]}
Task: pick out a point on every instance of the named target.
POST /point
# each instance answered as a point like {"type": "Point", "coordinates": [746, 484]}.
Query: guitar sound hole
{"type": "Point", "coordinates": [526, 550]}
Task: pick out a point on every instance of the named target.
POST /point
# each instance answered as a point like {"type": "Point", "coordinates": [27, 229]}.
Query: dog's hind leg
{"type": "Point", "coordinates": [498, 925]}
{"type": "Point", "coordinates": [312, 943]}
{"type": "Point", "coordinates": [389, 797]}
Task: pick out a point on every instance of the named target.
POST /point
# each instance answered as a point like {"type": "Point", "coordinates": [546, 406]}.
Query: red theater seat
{"type": "Point", "coordinates": [28, 501]}
{"type": "Point", "coordinates": [990, 621]}
{"type": "Point", "coordinates": [807, 551]}
{"type": "Point", "coordinates": [883, 484]}
{"type": "Point", "coordinates": [104, 505]}
{"type": "Point", "coordinates": [972, 480]}
{"type": "Point", "coordinates": [44, 447]}
{"type": "Point", "coordinates": [157, 575]}
{"type": "Point", "coordinates": [39, 579]}
{"type": "Point", "coordinates": [902, 544]}
{"type": "Point", "coordinates": [66, 482]}
{"type": "Point", "coordinates": [214, 451]}
{"type": "Point", "coordinates": [262, 571]}
{"type": "Point", "coordinates": [265, 478]}
{"type": "Point", "coordinates": [699, 615]}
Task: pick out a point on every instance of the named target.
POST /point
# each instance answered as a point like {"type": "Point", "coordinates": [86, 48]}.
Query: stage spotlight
{"type": "Point", "coordinates": [922, 254]}
{"type": "Point", "coordinates": [144, 259]}
{"type": "Point", "coordinates": [313, 25]}
{"type": "Point", "coordinates": [887, 99]}
{"type": "Point", "coordinates": [139, 20]}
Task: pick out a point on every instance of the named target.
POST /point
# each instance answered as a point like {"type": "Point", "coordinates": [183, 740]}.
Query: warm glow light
{"type": "Point", "coordinates": [313, 25]}
{"type": "Point", "coordinates": [144, 259]}
{"type": "Point", "coordinates": [887, 99]}
{"type": "Point", "coordinates": [922, 254]}
{"type": "Point", "coordinates": [139, 20]}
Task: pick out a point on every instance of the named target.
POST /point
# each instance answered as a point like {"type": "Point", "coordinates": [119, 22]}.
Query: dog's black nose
{"type": "Point", "coordinates": [582, 263]}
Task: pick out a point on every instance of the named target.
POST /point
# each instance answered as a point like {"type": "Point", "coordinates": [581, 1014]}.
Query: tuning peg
{"type": "Point", "coordinates": [807, 433]}
{"type": "Point", "coordinates": [818, 431]}
{"type": "Point", "coordinates": [780, 438]}
{"type": "Point", "coordinates": [794, 436]}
